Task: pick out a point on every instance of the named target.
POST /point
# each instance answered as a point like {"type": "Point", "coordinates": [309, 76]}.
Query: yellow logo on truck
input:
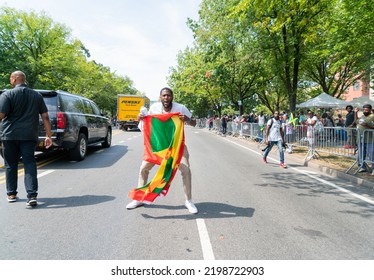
{"type": "Point", "coordinates": [128, 107]}
{"type": "Point", "coordinates": [130, 102]}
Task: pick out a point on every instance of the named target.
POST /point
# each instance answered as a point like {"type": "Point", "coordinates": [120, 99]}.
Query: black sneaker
{"type": "Point", "coordinates": [32, 202]}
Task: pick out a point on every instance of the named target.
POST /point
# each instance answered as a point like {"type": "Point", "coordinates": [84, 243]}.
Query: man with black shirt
{"type": "Point", "coordinates": [20, 108]}
{"type": "Point", "coordinates": [350, 124]}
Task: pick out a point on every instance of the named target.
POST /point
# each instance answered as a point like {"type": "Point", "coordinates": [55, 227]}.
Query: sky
{"type": "Point", "coordinates": [139, 39]}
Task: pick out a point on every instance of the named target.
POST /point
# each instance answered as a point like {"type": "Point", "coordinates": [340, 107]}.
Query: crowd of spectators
{"type": "Point", "coordinates": [327, 118]}
{"type": "Point", "coordinates": [338, 128]}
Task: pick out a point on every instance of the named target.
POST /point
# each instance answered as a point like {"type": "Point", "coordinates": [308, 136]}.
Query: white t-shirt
{"type": "Point", "coordinates": [261, 120]}
{"type": "Point", "coordinates": [309, 121]}
{"type": "Point", "coordinates": [274, 132]}
{"type": "Point", "coordinates": [157, 108]}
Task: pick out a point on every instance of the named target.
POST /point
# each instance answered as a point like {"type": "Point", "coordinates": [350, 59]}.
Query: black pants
{"type": "Point", "coordinates": [12, 151]}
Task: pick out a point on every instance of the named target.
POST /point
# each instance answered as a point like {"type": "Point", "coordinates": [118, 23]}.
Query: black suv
{"type": "Point", "coordinates": [76, 122]}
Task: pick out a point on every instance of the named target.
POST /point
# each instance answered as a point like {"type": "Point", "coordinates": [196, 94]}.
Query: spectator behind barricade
{"type": "Point", "coordinates": [330, 120]}
{"type": "Point", "coordinates": [350, 125]}
{"type": "Point", "coordinates": [224, 124]}
{"type": "Point", "coordinates": [328, 123]}
{"type": "Point", "coordinates": [236, 122]}
{"type": "Point", "coordinates": [327, 120]}
{"type": "Point", "coordinates": [310, 134]}
{"type": "Point", "coordinates": [288, 129]}
{"type": "Point", "coordinates": [261, 124]}
{"type": "Point", "coordinates": [302, 117]}
{"type": "Point", "coordinates": [339, 121]}
{"type": "Point", "coordinates": [365, 123]}
{"type": "Point", "coordinates": [210, 122]}
{"type": "Point", "coordinates": [251, 118]}
{"type": "Point", "coordinates": [261, 119]}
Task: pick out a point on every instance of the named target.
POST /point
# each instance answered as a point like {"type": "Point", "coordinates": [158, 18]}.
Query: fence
{"type": "Point", "coordinates": [338, 141]}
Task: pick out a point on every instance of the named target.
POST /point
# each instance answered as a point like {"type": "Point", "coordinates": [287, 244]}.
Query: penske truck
{"type": "Point", "coordinates": [128, 108]}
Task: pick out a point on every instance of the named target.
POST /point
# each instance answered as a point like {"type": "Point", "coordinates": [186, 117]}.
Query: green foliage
{"type": "Point", "coordinates": [52, 59]}
{"type": "Point", "coordinates": [282, 52]}
{"type": "Point", "coordinates": [343, 53]}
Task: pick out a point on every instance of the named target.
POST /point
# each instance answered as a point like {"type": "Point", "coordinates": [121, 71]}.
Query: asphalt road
{"type": "Point", "coordinates": [247, 210]}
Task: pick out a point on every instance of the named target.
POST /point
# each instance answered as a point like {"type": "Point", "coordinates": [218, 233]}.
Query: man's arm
{"type": "Point", "coordinates": [282, 134]}
{"type": "Point", "coordinates": [2, 116]}
{"type": "Point", "coordinates": [190, 121]}
{"type": "Point", "coordinates": [356, 115]}
{"type": "Point", "coordinates": [47, 127]}
{"type": "Point", "coordinates": [267, 129]}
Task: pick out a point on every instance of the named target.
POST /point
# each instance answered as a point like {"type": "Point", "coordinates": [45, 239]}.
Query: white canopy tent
{"type": "Point", "coordinates": [361, 101]}
{"type": "Point", "coordinates": [324, 101]}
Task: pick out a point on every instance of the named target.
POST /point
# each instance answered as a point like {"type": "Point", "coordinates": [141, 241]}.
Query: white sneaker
{"type": "Point", "coordinates": [191, 207]}
{"type": "Point", "coordinates": [134, 204]}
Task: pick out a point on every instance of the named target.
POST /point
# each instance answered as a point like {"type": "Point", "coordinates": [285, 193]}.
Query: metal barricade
{"type": "Point", "coordinates": [368, 149]}
{"type": "Point", "coordinates": [251, 130]}
{"type": "Point", "coordinates": [365, 154]}
{"type": "Point", "coordinates": [338, 141]}
{"type": "Point", "coordinates": [331, 140]}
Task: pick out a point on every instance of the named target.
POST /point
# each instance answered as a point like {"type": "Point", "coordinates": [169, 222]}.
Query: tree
{"type": "Point", "coordinates": [34, 44]}
{"type": "Point", "coordinates": [231, 53]}
{"type": "Point", "coordinates": [283, 29]}
{"type": "Point", "coordinates": [343, 53]}
{"type": "Point", "coordinates": [51, 59]}
{"type": "Point", "coordinates": [193, 83]}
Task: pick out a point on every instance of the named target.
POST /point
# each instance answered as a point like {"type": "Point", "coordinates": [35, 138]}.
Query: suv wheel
{"type": "Point", "coordinates": [108, 139]}
{"type": "Point", "coordinates": [79, 152]}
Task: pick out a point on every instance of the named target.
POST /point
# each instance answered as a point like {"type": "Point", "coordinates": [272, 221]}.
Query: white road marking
{"type": "Point", "coordinates": [45, 173]}
{"type": "Point", "coordinates": [337, 187]}
{"type": "Point", "coordinates": [313, 177]}
{"type": "Point", "coordinates": [206, 246]}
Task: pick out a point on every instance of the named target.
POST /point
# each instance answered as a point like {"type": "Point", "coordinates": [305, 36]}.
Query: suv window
{"type": "Point", "coordinates": [71, 104]}
{"type": "Point", "coordinates": [87, 107]}
{"type": "Point", "coordinates": [51, 103]}
{"type": "Point", "coordinates": [95, 109]}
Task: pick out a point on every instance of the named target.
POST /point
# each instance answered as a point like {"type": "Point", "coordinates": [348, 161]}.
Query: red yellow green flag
{"type": "Point", "coordinates": [293, 120]}
{"type": "Point", "coordinates": [163, 145]}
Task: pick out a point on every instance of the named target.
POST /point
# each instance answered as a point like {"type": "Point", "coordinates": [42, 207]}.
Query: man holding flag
{"type": "Point", "coordinates": [163, 124]}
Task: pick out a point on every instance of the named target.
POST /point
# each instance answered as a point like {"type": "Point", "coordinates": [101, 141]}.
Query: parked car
{"type": "Point", "coordinates": [76, 123]}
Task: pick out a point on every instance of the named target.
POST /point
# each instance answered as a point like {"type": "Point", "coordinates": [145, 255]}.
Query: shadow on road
{"type": "Point", "coordinates": [72, 201]}
{"type": "Point", "coordinates": [207, 210]}
{"type": "Point", "coordinates": [97, 157]}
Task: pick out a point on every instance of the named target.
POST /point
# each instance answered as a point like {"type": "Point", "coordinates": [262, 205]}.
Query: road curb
{"type": "Point", "coordinates": [341, 175]}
